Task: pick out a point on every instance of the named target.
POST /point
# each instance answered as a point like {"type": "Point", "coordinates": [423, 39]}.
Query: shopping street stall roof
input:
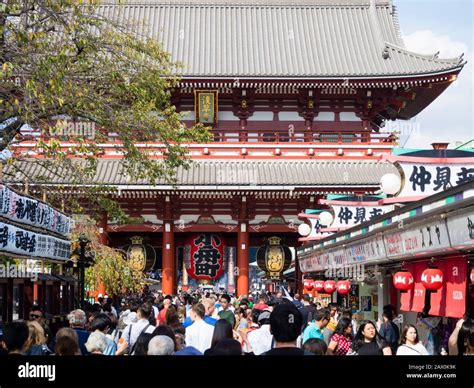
{"type": "Point", "coordinates": [437, 225]}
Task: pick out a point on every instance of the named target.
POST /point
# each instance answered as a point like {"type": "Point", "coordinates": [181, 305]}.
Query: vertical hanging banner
{"type": "Point", "coordinates": [407, 297]}
{"type": "Point", "coordinates": [455, 272]}
{"type": "Point", "coordinates": [419, 292]}
{"type": "Point", "coordinates": [206, 106]}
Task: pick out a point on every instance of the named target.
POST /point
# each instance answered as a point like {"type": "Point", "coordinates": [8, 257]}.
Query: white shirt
{"type": "Point", "coordinates": [412, 350]}
{"type": "Point", "coordinates": [260, 340]}
{"type": "Point", "coordinates": [199, 335]}
{"type": "Point", "coordinates": [131, 334]}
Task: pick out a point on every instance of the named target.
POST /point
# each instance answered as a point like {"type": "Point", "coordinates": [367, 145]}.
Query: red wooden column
{"type": "Point", "coordinates": [103, 239]}
{"type": "Point", "coordinates": [168, 284]}
{"type": "Point", "coordinates": [243, 251]}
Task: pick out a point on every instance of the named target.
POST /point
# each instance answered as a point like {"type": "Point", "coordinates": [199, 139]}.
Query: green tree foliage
{"type": "Point", "coordinates": [61, 59]}
{"type": "Point", "coordinates": [111, 267]}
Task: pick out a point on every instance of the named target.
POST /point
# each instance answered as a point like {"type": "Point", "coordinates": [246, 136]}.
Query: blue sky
{"type": "Point", "coordinates": [429, 26]}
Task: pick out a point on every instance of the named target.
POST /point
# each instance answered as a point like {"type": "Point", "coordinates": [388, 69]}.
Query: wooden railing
{"type": "Point", "coordinates": [278, 136]}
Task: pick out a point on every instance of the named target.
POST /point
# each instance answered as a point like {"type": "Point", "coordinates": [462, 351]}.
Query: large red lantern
{"type": "Point", "coordinates": [204, 256]}
{"type": "Point", "coordinates": [309, 284]}
{"type": "Point", "coordinates": [329, 286]}
{"type": "Point", "coordinates": [319, 285]}
{"type": "Point", "coordinates": [343, 287]}
{"type": "Point", "coordinates": [472, 276]}
{"type": "Point", "coordinates": [432, 279]}
{"type": "Point", "coordinates": [403, 281]}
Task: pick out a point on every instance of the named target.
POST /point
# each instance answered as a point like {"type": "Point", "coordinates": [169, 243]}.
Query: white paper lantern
{"type": "Point", "coordinates": [390, 184]}
{"type": "Point", "coordinates": [304, 229]}
{"type": "Point", "coordinates": [325, 218]}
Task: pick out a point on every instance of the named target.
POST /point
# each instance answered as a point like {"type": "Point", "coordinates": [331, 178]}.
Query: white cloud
{"type": "Point", "coordinates": [427, 42]}
{"type": "Point", "coordinates": [450, 117]}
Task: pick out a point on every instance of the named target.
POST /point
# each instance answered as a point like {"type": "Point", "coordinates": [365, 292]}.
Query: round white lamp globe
{"type": "Point", "coordinates": [325, 218]}
{"type": "Point", "coordinates": [304, 229]}
{"type": "Point", "coordinates": [390, 184]}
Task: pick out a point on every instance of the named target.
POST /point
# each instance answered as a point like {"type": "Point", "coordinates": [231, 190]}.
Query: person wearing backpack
{"type": "Point", "coordinates": [389, 331]}
{"type": "Point", "coordinates": [308, 310]}
{"type": "Point", "coordinates": [133, 331]}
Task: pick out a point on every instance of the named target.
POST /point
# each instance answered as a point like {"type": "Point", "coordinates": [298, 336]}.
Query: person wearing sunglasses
{"type": "Point", "coordinates": [37, 314]}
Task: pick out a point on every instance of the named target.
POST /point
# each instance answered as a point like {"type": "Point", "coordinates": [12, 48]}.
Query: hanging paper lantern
{"type": "Point", "coordinates": [309, 284]}
{"type": "Point", "coordinates": [472, 276]}
{"type": "Point", "coordinates": [403, 281]}
{"type": "Point", "coordinates": [329, 286]}
{"type": "Point", "coordinates": [274, 258]}
{"type": "Point", "coordinates": [343, 287]}
{"type": "Point", "coordinates": [319, 285]}
{"type": "Point", "coordinates": [204, 257]}
{"type": "Point", "coordinates": [432, 279]}
{"type": "Point", "coordinates": [141, 256]}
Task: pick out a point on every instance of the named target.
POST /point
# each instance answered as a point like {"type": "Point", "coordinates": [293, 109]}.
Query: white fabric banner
{"type": "Point", "coordinates": [26, 210]}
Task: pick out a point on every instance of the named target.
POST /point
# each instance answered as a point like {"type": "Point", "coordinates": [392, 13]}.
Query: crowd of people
{"type": "Point", "coordinates": [220, 324]}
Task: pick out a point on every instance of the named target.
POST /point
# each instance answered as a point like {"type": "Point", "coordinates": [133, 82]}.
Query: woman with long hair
{"type": "Point", "coordinates": [341, 340]}
{"type": "Point", "coordinates": [36, 343]}
{"type": "Point", "coordinates": [222, 330]}
{"type": "Point", "coordinates": [410, 344]}
{"type": "Point", "coordinates": [368, 342]}
{"type": "Point", "coordinates": [461, 341]}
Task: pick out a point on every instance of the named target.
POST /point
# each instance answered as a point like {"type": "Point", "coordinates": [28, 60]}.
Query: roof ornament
{"type": "Point", "coordinates": [385, 53]}
{"type": "Point", "coordinates": [436, 55]}
{"type": "Point", "coordinates": [461, 58]}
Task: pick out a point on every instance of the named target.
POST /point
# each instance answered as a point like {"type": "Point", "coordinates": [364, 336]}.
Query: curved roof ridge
{"type": "Point", "coordinates": [432, 57]}
{"type": "Point", "coordinates": [288, 3]}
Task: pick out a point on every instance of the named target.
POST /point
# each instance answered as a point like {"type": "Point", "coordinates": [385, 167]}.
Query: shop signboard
{"type": "Point", "coordinates": [461, 229]}
{"type": "Point", "coordinates": [30, 211]}
{"type": "Point", "coordinates": [352, 215]}
{"type": "Point", "coordinates": [366, 251]}
{"type": "Point", "coordinates": [30, 244]}
{"type": "Point", "coordinates": [426, 238]}
{"type": "Point", "coordinates": [424, 179]}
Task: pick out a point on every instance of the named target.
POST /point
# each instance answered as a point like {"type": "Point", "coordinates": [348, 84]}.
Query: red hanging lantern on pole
{"type": "Point", "coordinates": [472, 276]}
{"type": "Point", "coordinates": [319, 285]}
{"type": "Point", "coordinates": [308, 284]}
{"type": "Point", "coordinates": [432, 279]}
{"type": "Point", "coordinates": [343, 287]}
{"type": "Point", "coordinates": [403, 281]}
{"type": "Point", "coordinates": [329, 286]}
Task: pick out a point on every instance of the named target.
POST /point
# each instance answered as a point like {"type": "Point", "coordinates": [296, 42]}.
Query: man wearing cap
{"type": "Point", "coordinates": [260, 340]}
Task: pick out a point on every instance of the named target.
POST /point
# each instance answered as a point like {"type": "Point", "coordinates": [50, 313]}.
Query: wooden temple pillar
{"type": "Point", "coordinates": [168, 280]}
{"type": "Point", "coordinates": [243, 251]}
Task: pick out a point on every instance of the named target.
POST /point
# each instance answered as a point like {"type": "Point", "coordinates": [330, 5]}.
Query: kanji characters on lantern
{"type": "Point", "coordinates": [206, 257]}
